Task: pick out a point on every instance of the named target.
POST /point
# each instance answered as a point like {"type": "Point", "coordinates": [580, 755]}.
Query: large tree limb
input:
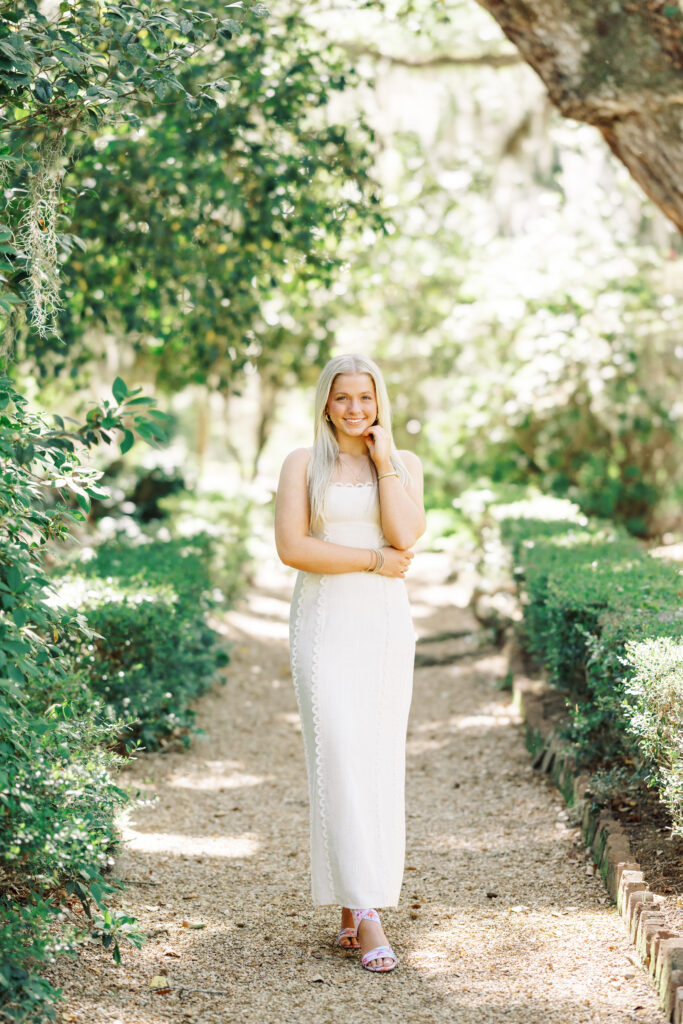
{"type": "Point", "coordinates": [441, 60]}
{"type": "Point", "coordinates": [618, 66]}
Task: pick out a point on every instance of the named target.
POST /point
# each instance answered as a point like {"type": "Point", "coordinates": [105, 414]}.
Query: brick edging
{"type": "Point", "coordinates": [659, 947]}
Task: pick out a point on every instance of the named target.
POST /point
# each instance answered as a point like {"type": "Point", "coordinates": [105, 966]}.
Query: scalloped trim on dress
{"type": "Point", "coordinates": [380, 828]}
{"type": "Point", "coordinates": [294, 659]}
{"type": "Point", "coordinates": [343, 483]}
{"type": "Point", "coordinates": [315, 788]}
{"type": "Point", "coordinates": [315, 712]}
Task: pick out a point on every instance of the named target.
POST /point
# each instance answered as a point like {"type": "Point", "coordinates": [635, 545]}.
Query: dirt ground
{"type": "Point", "coordinates": [501, 917]}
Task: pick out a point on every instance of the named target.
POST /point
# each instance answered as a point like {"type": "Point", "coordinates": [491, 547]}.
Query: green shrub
{"type": "Point", "coordinates": [57, 797]}
{"type": "Point", "coordinates": [604, 617]}
{"type": "Point", "coordinates": [154, 651]}
{"type": "Point", "coordinates": [57, 835]}
{"type": "Point", "coordinates": [654, 708]}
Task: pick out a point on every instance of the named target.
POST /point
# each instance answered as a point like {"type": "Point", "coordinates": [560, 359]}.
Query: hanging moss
{"type": "Point", "coordinates": [37, 234]}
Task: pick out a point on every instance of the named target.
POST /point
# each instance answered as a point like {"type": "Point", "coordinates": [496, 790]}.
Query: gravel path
{"type": "Point", "coordinates": [499, 920]}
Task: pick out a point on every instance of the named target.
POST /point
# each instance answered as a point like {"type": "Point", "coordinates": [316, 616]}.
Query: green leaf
{"type": "Point", "coordinates": [137, 50]}
{"type": "Point", "coordinates": [128, 440]}
{"type": "Point", "coordinates": [43, 90]}
{"type": "Point", "coordinates": [83, 500]}
{"type": "Point", "coordinates": [260, 11]}
{"type": "Point", "coordinates": [70, 61]}
{"type": "Point", "coordinates": [155, 428]}
{"type": "Point", "coordinates": [119, 389]}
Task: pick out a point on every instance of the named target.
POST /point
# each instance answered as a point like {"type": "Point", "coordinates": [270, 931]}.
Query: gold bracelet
{"type": "Point", "coordinates": [373, 561]}
{"type": "Point", "coordinates": [378, 562]}
{"type": "Point", "coordinates": [393, 473]}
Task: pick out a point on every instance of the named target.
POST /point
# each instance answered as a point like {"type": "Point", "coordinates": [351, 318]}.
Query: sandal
{"type": "Point", "coordinates": [347, 933]}
{"type": "Point", "coordinates": [379, 952]}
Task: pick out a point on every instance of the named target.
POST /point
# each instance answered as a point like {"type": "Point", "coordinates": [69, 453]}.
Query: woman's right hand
{"type": "Point", "coordinates": [396, 561]}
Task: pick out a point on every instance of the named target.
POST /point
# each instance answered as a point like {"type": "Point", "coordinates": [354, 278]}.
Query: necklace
{"type": "Point", "coordinates": [357, 478]}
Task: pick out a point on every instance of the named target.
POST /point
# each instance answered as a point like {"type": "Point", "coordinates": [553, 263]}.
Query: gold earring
{"type": "Point", "coordinates": [327, 417]}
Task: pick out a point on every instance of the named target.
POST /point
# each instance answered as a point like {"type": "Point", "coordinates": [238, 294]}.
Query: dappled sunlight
{"type": "Point", "coordinates": [291, 718]}
{"type": "Point", "coordinates": [446, 595]}
{"type": "Point", "coordinates": [484, 718]}
{"type": "Point", "coordinates": [273, 607]}
{"type": "Point", "coordinates": [500, 840]}
{"type": "Point", "coordinates": [245, 845]}
{"type": "Point", "coordinates": [259, 628]}
{"type": "Point", "coordinates": [442, 732]}
{"type": "Point", "coordinates": [218, 781]}
{"type": "Point", "coordinates": [422, 746]}
{"type": "Point", "coordinates": [437, 952]}
{"type": "Point", "coordinates": [521, 942]}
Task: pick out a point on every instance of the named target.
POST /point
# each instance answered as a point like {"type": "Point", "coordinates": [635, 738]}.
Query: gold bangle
{"type": "Point", "coordinates": [373, 561]}
{"type": "Point", "coordinates": [393, 473]}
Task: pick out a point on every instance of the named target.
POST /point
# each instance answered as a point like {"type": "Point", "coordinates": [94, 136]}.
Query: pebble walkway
{"type": "Point", "coordinates": [501, 919]}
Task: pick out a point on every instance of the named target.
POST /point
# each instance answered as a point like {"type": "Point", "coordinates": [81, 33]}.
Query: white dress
{"type": "Point", "coordinates": [352, 648]}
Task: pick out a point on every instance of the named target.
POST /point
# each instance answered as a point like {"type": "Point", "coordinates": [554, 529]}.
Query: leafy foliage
{"type": "Point", "coordinates": [527, 303]}
{"type": "Point", "coordinates": [205, 226]}
{"type": "Point", "coordinates": [603, 616]}
{"type": "Point", "coordinates": [57, 797]}
{"type": "Point", "coordinates": [654, 705]}
{"type": "Point", "coordinates": [147, 600]}
{"type": "Point", "coordinates": [65, 76]}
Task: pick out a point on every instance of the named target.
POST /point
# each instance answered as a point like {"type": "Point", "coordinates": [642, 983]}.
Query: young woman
{"type": "Point", "coordinates": [348, 511]}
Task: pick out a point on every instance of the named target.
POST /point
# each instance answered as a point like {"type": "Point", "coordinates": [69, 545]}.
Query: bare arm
{"type": "Point", "coordinates": [292, 516]}
{"type": "Point", "coordinates": [402, 508]}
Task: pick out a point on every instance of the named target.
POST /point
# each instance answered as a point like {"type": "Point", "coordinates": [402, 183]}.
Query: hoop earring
{"type": "Point", "coordinates": [327, 417]}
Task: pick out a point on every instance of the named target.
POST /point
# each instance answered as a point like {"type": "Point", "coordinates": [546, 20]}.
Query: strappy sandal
{"type": "Point", "coordinates": [347, 933]}
{"type": "Point", "coordinates": [379, 952]}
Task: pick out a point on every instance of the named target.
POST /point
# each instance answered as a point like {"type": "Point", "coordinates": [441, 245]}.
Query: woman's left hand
{"type": "Point", "coordinates": [378, 444]}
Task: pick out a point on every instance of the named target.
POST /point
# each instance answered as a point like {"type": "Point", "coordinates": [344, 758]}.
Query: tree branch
{"type": "Point", "coordinates": [618, 67]}
{"type": "Point", "coordinates": [492, 60]}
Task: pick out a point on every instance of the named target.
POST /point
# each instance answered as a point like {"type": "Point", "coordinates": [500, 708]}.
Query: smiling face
{"type": "Point", "coordinates": [352, 404]}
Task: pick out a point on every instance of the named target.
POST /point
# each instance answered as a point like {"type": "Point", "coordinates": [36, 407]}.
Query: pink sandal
{"type": "Point", "coordinates": [379, 952]}
{"type": "Point", "coordinates": [345, 933]}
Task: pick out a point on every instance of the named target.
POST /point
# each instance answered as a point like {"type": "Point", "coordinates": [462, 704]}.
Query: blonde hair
{"type": "Point", "coordinates": [325, 446]}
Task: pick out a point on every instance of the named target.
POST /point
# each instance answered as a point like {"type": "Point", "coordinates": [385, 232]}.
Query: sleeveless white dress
{"type": "Point", "coordinates": [352, 649]}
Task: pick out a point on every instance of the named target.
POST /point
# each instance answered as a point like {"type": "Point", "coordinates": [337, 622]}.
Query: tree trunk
{"type": "Point", "coordinates": [616, 65]}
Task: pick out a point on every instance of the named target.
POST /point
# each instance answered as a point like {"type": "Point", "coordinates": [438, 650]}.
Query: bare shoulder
{"type": "Point", "coordinates": [411, 460]}
{"type": "Point", "coordinates": [297, 461]}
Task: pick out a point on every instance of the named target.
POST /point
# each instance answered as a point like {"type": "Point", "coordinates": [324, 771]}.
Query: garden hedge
{"type": "Point", "coordinates": [605, 619]}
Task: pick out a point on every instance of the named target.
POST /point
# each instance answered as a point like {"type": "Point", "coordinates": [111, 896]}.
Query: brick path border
{"type": "Point", "coordinates": [660, 948]}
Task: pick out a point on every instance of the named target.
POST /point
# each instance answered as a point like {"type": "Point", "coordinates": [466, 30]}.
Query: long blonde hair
{"type": "Point", "coordinates": [325, 446]}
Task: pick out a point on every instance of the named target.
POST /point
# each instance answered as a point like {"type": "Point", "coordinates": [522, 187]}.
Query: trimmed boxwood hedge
{"type": "Point", "coordinates": [154, 651]}
{"type": "Point", "coordinates": [605, 618]}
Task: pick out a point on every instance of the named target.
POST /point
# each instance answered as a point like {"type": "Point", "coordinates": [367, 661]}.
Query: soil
{"type": "Point", "coordinates": [659, 853]}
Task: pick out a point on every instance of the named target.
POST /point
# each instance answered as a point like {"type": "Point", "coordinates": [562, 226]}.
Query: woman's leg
{"type": "Point", "coordinates": [370, 935]}
{"type": "Point", "coordinates": [348, 942]}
